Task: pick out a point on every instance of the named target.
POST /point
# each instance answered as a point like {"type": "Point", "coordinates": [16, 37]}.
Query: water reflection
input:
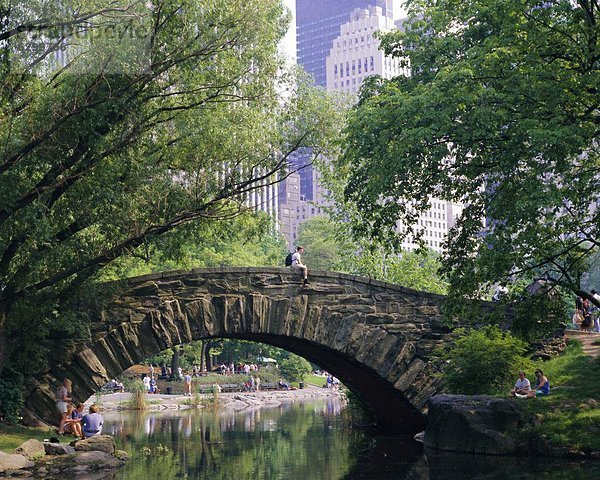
{"type": "Point", "coordinates": [305, 441]}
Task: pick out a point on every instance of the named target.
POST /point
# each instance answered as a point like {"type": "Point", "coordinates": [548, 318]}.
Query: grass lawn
{"type": "Point", "coordinates": [315, 380]}
{"type": "Point", "coordinates": [570, 415]}
{"type": "Point", "coordinates": [11, 436]}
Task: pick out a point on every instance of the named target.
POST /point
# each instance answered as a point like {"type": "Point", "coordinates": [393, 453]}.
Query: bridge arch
{"type": "Point", "coordinates": [376, 337]}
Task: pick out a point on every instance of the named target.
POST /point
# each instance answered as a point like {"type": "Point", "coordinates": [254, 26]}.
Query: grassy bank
{"type": "Point", "coordinates": [570, 415]}
{"type": "Point", "coordinates": [315, 380]}
{"type": "Point", "coordinates": [11, 436]}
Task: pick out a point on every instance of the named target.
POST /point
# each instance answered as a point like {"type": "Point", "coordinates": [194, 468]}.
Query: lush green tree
{"type": "Point", "coordinates": [484, 361]}
{"type": "Point", "coordinates": [294, 368]}
{"type": "Point", "coordinates": [329, 246]}
{"type": "Point", "coordinates": [324, 249]}
{"type": "Point", "coordinates": [248, 239]}
{"type": "Point", "coordinates": [161, 119]}
{"type": "Point", "coordinates": [501, 113]}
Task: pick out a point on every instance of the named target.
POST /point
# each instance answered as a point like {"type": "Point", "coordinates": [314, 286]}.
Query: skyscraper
{"type": "Point", "coordinates": [318, 23]}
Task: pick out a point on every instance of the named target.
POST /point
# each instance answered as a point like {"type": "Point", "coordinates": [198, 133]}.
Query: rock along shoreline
{"type": "Point", "coordinates": [230, 400]}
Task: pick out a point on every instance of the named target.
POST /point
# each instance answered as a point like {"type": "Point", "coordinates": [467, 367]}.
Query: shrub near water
{"type": "Point", "coordinates": [484, 361]}
{"type": "Point", "coordinates": [139, 394]}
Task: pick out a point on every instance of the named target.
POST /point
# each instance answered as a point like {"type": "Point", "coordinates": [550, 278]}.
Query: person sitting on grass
{"type": "Point", "coordinates": [542, 385]}
{"type": "Point", "coordinates": [73, 423]}
{"type": "Point", "coordinates": [522, 386]}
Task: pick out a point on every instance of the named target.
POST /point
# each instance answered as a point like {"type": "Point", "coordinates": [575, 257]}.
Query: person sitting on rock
{"type": "Point", "coordinates": [522, 387]}
{"type": "Point", "coordinates": [542, 385]}
{"type": "Point", "coordinates": [92, 422]}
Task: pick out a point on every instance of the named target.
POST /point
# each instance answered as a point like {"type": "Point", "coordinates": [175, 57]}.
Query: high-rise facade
{"type": "Point", "coordinates": [318, 24]}
{"type": "Point", "coordinates": [355, 53]}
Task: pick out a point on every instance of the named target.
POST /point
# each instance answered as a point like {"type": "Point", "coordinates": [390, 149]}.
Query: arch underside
{"type": "Point", "coordinates": [375, 338]}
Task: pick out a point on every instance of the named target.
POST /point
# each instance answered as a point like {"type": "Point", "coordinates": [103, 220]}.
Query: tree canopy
{"type": "Point", "coordinates": [501, 112]}
{"type": "Point", "coordinates": [122, 124]}
{"type": "Point", "coordinates": [329, 246]}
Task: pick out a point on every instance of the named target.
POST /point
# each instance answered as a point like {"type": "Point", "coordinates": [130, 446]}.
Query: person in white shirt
{"type": "Point", "coordinates": [297, 263]}
{"type": "Point", "coordinates": [522, 386]}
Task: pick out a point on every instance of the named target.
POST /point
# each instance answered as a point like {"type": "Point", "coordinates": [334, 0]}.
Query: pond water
{"type": "Point", "coordinates": [299, 440]}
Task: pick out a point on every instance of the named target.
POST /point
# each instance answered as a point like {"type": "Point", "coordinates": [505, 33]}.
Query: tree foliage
{"type": "Point", "coordinates": [129, 139]}
{"type": "Point", "coordinates": [484, 361]}
{"type": "Point", "coordinates": [500, 113]}
{"type": "Point", "coordinates": [294, 368]}
{"type": "Point", "coordinates": [329, 246]}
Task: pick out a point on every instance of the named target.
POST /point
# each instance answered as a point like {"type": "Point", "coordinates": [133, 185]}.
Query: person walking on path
{"type": "Point", "coordinates": [187, 379]}
{"type": "Point", "coordinates": [297, 263]}
{"type": "Point", "coordinates": [62, 402]}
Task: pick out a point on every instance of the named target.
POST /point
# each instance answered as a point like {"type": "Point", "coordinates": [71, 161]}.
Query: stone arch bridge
{"type": "Point", "coordinates": [377, 338]}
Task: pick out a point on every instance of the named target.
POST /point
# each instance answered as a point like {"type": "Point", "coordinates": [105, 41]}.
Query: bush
{"type": "Point", "coordinates": [484, 361]}
{"type": "Point", "coordinates": [294, 368]}
{"type": "Point", "coordinates": [538, 316]}
{"type": "Point", "coordinates": [11, 396]}
{"type": "Point", "coordinates": [139, 394]}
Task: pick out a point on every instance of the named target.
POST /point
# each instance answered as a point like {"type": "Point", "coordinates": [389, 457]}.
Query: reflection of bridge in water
{"type": "Point", "coordinates": [376, 337]}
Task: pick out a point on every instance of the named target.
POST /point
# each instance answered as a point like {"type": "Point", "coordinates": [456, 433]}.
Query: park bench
{"type": "Point", "coordinates": [231, 387]}
{"type": "Point", "coordinates": [207, 388]}
{"type": "Point", "coordinates": [110, 388]}
{"type": "Point", "coordinates": [269, 386]}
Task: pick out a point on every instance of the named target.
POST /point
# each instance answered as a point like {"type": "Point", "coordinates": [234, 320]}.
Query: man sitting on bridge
{"type": "Point", "coordinates": [297, 263]}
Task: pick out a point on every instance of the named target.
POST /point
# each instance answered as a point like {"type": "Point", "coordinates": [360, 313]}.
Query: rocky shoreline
{"type": "Point", "coordinates": [489, 426]}
{"type": "Point", "coordinates": [234, 400]}
{"type": "Point", "coordinates": [81, 459]}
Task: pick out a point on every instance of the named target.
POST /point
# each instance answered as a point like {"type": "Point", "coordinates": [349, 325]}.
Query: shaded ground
{"type": "Point", "coordinates": [590, 342]}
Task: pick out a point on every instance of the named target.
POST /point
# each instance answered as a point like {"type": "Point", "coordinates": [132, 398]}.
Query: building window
{"type": "Point", "coordinates": [372, 64]}
{"type": "Point", "coordinates": [335, 69]}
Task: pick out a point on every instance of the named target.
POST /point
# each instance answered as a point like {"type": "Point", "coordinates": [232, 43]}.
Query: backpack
{"type": "Point", "coordinates": [288, 260]}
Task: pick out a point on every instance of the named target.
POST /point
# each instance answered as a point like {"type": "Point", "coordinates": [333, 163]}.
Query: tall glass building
{"type": "Point", "coordinates": [318, 24]}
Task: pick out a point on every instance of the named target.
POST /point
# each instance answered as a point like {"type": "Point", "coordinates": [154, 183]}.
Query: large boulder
{"type": "Point", "coordinates": [58, 449]}
{"type": "Point", "coordinates": [473, 424]}
{"type": "Point", "coordinates": [32, 449]}
{"type": "Point", "coordinates": [96, 459]}
{"type": "Point", "coordinates": [14, 462]}
{"type": "Point", "coordinates": [101, 443]}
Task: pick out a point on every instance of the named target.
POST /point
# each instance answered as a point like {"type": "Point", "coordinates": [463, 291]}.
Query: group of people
{"type": "Point", "coordinates": [252, 384]}
{"type": "Point", "coordinates": [522, 388]}
{"type": "Point", "coordinates": [72, 420]}
{"type": "Point", "coordinates": [150, 383]}
{"type": "Point", "coordinates": [332, 382]}
{"type": "Point", "coordinates": [587, 316]}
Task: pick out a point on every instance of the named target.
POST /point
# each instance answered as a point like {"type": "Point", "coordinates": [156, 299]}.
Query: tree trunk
{"type": "Point", "coordinates": [175, 364]}
{"type": "Point", "coordinates": [203, 355]}
{"type": "Point", "coordinates": [4, 345]}
{"type": "Point", "coordinates": [207, 356]}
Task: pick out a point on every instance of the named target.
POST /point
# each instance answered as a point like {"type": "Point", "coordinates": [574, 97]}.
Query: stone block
{"type": "Point", "coordinates": [101, 443]}
{"type": "Point", "coordinates": [58, 449]}
{"type": "Point", "coordinates": [31, 449]}
{"type": "Point", "coordinates": [14, 462]}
